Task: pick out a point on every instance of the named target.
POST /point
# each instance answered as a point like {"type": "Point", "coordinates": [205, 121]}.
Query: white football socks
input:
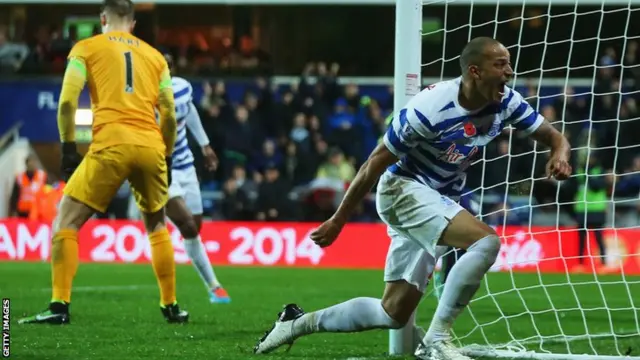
{"type": "Point", "coordinates": [198, 255]}
{"type": "Point", "coordinates": [462, 283]}
{"type": "Point", "coordinates": [354, 315]}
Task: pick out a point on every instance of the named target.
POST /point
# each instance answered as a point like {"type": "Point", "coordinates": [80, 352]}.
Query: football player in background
{"type": "Point", "coordinates": [127, 79]}
{"type": "Point", "coordinates": [184, 207]}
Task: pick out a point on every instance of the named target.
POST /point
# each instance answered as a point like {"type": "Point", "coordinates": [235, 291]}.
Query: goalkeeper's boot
{"type": "Point", "coordinates": [439, 350]}
{"type": "Point", "coordinates": [281, 333]}
{"type": "Point", "coordinates": [56, 314]}
{"type": "Point", "coordinates": [219, 295]}
{"type": "Point", "coordinates": [173, 314]}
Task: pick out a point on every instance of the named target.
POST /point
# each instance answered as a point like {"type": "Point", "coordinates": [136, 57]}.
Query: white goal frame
{"type": "Point", "coordinates": [407, 82]}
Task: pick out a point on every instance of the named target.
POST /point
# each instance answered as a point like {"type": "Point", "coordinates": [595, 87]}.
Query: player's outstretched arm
{"type": "Point", "coordinates": [526, 120]}
{"type": "Point", "coordinates": [552, 138]}
{"type": "Point", "coordinates": [558, 165]}
{"type": "Point", "coordinates": [167, 110]}
{"type": "Point", "coordinates": [379, 160]}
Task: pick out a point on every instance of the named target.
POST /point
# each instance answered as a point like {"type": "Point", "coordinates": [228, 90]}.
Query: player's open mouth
{"type": "Point", "coordinates": [501, 88]}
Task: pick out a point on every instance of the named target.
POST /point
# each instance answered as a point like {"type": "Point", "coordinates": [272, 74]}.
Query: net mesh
{"type": "Point", "coordinates": [579, 67]}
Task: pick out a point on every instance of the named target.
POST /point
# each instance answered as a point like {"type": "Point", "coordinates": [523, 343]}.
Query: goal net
{"type": "Point", "coordinates": [577, 63]}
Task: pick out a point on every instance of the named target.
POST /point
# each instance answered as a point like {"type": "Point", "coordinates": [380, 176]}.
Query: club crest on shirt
{"type": "Point", "coordinates": [490, 128]}
{"type": "Point", "coordinates": [408, 133]}
{"type": "Point", "coordinates": [495, 128]}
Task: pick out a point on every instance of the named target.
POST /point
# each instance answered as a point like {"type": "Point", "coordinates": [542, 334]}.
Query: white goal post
{"type": "Point", "coordinates": [623, 336]}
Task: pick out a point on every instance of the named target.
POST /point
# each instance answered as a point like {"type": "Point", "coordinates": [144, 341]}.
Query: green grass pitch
{"type": "Point", "coordinates": [115, 313]}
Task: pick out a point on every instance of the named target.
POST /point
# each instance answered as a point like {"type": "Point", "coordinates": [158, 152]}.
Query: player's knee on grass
{"type": "Point", "coordinates": [464, 230]}
{"type": "Point", "coordinates": [399, 301]}
{"type": "Point", "coordinates": [72, 214]}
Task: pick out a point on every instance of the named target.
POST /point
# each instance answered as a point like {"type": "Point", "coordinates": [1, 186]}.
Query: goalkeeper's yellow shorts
{"type": "Point", "coordinates": [102, 172]}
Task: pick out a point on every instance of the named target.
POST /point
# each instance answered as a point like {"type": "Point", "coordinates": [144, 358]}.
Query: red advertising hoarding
{"type": "Point", "coordinates": [288, 244]}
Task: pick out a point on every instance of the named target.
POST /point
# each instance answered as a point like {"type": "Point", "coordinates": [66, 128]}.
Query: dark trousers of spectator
{"type": "Point", "coordinates": [593, 221]}
{"type": "Point", "coordinates": [119, 208]}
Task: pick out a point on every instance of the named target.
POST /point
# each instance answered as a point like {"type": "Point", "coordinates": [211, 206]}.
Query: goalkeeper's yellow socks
{"type": "Point", "coordinates": [64, 264]}
{"type": "Point", "coordinates": [164, 265]}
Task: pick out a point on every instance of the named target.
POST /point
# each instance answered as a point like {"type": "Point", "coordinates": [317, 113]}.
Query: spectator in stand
{"type": "Point", "coordinates": [268, 155]}
{"type": "Point", "coordinates": [342, 124]}
{"type": "Point", "coordinates": [625, 134]}
{"type": "Point", "coordinates": [283, 111]}
{"type": "Point", "coordinates": [328, 83]}
{"type": "Point", "coordinates": [239, 137]}
{"type": "Point", "coordinates": [573, 111]}
{"type": "Point", "coordinates": [214, 125]}
{"type": "Point", "coordinates": [605, 130]}
{"type": "Point", "coordinates": [217, 93]}
{"type": "Point", "coordinates": [318, 155]}
{"type": "Point", "coordinates": [244, 184]}
{"type": "Point", "coordinates": [12, 55]}
{"type": "Point", "coordinates": [337, 167]}
{"type": "Point", "coordinates": [298, 167]}
{"type": "Point", "coordinates": [591, 202]}
{"type": "Point", "coordinates": [571, 107]}
{"type": "Point", "coordinates": [627, 185]}
{"type": "Point", "coordinates": [46, 200]}
{"type": "Point", "coordinates": [273, 199]}
{"type": "Point", "coordinates": [376, 123]}
{"type": "Point", "coordinates": [235, 204]}
{"type": "Point", "coordinates": [352, 96]}
{"type": "Point", "coordinates": [273, 127]}
{"type": "Point", "coordinates": [315, 128]}
{"type": "Point", "coordinates": [300, 133]}
{"type": "Point", "coordinates": [250, 102]}
{"type": "Point", "coordinates": [27, 185]}
{"type": "Point", "coordinates": [632, 66]}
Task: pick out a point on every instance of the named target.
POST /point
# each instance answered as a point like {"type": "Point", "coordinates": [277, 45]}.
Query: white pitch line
{"type": "Point", "coordinates": [107, 288]}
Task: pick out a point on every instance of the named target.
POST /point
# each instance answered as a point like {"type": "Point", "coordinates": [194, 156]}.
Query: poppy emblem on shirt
{"type": "Point", "coordinates": [470, 130]}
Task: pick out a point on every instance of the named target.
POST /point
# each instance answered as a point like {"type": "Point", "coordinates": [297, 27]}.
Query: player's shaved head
{"type": "Point", "coordinates": [474, 53]}
{"type": "Point", "coordinates": [122, 9]}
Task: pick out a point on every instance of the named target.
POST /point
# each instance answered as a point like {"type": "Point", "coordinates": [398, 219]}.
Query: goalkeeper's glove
{"type": "Point", "coordinates": [169, 161]}
{"type": "Point", "coordinates": [70, 159]}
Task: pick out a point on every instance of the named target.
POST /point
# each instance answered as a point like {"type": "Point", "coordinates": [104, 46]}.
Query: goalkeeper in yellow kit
{"type": "Point", "coordinates": [127, 79]}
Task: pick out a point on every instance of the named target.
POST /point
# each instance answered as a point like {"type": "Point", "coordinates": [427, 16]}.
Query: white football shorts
{"type": "Point", "coordinates": [184, 184]}
{"type": "Point", "coordinates": [416, 215]}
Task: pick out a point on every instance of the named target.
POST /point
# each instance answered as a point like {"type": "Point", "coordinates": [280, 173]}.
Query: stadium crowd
{"type": "Point", "coordinates": [308, 139]}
